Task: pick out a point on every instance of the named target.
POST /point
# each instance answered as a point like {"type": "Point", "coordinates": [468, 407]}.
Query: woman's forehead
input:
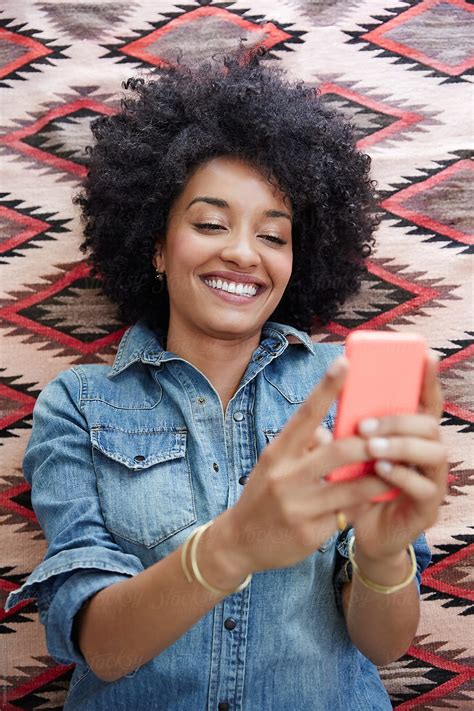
{"type": "Point", "coordinates": [233, 181]}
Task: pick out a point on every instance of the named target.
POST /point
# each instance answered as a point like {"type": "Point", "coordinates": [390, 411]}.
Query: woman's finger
{"type": "Point", "coordinates": [418, 425]}
{"type": "Point", "coordinates": [343, 496]}
{"type": "Point", "coordinates": [315, 465]}
{"type": "Point", "coordinates": [352, 513]}
{"type": "Point", "coordinates": [423, 453]}
{"type": "Point", "coordinates": [326, 524]}
{"type": "Point", "coordinates": [321, 436]}
{"type": "Point", "coordinates": [298, 431]}
{"type": "Point", "coordinates": [410, 482]}
{"type": "Point", "coordinates": [431, 397]}
{"type": "Point", "coordinates": [310, 501]}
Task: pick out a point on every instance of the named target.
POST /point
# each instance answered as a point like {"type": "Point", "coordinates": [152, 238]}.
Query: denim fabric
{"type": "Point", "coordinates": [124, 461]}
{"type": "Point", "coordinates": [343, 566]}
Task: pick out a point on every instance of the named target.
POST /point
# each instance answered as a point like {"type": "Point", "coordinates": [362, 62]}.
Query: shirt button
{"type": "Point", "coordinates": [223, 706]}
{"type": "Point", "coordinates": [243, 480]}
{"type": "Point", "coordinates": [230, 623]}
{"type": "Point", "coordinates": [139, 458]}
{"type": "Point", "coordinates": [201, 400]}
{"type": "Point", "coordinates": [238, 416]}
{"type": "Point", "coordinates": [215, 466]}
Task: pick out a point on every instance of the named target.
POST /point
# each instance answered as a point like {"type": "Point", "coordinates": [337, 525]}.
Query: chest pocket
{"type": "Point", "coordinates": [144, 482]}
{"type": "Point", "coordinates": [270, 435]}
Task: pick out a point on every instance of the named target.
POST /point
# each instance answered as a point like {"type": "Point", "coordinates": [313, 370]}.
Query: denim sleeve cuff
{"type": "Point", "coordinates": [63, 583]}
{"type": "Point", "coordinates": [343, 567]}
{"type": "Point", "coordinates": [40, 583]}
{"type": "Point", "coordinates": [68, 600]}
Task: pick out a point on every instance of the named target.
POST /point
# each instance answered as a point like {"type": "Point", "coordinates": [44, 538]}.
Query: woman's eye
{"type": "Point", "coordinates": [213, 226]}
{"type": "Point", "coordinates": [208, 226]}
{"type": "Point", "coordinates": [272, 238]}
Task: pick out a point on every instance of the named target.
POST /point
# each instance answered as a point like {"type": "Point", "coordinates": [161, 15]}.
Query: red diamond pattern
{"type": "Point", "coordinates": [400, 119]}
{"type": "Point", "coordinates": [16, 139]}
{"type": "Point", "coordinates": [26, 49]}
{"type": "Point", "coordinates": [433, 13]}
{"type": "Point", "coordinates": [204, 31]}
{"type": "Point", "coordinates": [417, 203]}
{"type": "Point", "coordinates": [12, 313]}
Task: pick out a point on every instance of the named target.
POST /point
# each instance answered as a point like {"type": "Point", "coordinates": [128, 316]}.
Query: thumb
{"type": "Point", "coordinates": [321, 435]}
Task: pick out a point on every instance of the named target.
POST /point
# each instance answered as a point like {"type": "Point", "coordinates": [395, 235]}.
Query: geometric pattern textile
{"type": "Point", "coordinates": [401, 72]}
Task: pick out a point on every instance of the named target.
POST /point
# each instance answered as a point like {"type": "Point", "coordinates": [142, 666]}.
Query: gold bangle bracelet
{"type": "Point", "coordinates": [196, 535]}
{"type": "Point", "coordinates": [184, 550]}
{"type": "Point", "coordinates": [376, 587]}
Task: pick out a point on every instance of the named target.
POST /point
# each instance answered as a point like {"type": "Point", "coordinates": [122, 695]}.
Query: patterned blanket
{"type": "Point", "coordinates": [401, 72]}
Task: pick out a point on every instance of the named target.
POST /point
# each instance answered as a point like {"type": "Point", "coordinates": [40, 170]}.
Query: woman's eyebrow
{"type": "Point", "coordinates": [277, 213]}
{"type": "Point", "coordinates": [218, 202]}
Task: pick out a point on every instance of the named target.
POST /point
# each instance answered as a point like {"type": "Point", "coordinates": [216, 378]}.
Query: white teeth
{"type": "Point", "coordinates": [248, 290]}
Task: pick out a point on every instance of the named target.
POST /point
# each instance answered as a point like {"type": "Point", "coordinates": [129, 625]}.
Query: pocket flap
{"type": "Point", "coordinates": [271, 433]}
{"type": "Point", "coordinates": [139, 449]}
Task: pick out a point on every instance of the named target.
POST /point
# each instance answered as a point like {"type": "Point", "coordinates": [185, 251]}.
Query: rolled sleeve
{"type": "Point", "coordinates": [63, 607]}
{"type": "Point", "coordinates": [62, 585]}
{"type": "Point", "coordinates": [82, 557]}
{"type": "Point", "coordinates": [343, 567]}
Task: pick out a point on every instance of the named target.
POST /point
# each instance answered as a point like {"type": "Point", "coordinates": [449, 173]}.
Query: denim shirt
{"type": "Point", "coordinates": [124, 461]}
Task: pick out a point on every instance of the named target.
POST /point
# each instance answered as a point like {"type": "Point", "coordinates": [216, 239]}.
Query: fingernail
{"type": "Point", "coordinates": [336, 367]}
{"type": "Point", "coordinates": [383, 466]}
{"type": "Point", "coordinates": [369, 426]}
{"type": "Point", "coordinates": [323, 435]}
{"type": "Point", "coordinates": [378, 445]}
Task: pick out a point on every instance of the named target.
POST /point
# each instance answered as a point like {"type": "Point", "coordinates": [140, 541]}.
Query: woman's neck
{"type": "Point", "coordinates": [222, 361]}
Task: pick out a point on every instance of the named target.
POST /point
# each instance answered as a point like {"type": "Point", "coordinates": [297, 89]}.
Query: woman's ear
{"type": "Point", "coordinates": [158, 260]}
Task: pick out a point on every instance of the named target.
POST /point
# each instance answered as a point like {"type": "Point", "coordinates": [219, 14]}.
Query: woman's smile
{"type": "Point", "coordinates": [220, 289]}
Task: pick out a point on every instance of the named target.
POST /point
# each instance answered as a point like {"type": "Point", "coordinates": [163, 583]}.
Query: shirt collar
{"type": "Point", "coordinates": [287, 334]}
{"type": "Point", "coordinates": [140, 343]}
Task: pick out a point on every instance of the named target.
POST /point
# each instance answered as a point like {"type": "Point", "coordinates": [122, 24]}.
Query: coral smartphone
{"type": "Point", "coordinates": [384, 378]}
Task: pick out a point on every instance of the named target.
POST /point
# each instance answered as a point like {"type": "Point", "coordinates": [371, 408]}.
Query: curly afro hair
{"type": "Point", "coordinates": [181, 118]}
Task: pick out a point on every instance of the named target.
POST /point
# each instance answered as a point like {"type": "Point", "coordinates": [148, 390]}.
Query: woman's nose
{"type": "Point", "coordinates": [242, 250]}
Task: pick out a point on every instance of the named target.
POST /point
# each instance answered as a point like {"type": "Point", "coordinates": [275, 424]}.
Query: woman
{"type": "Point", "coordinates": [197, 559]}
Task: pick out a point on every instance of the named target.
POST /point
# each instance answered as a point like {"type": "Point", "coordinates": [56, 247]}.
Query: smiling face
{"type": "Point", "coordinates": [228, 221]}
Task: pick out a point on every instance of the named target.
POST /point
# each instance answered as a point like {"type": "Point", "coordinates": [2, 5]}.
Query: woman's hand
{"type": "Point", "coordinates": [412, 457]}
{"type": "Point", "coordinates": [287, 510]}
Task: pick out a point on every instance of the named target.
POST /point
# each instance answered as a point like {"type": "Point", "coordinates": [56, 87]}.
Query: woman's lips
{"type": "Point", "coordinates": [233, 298]}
